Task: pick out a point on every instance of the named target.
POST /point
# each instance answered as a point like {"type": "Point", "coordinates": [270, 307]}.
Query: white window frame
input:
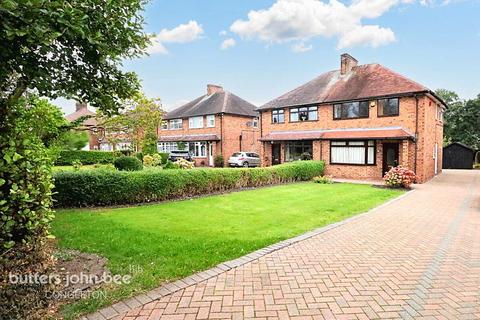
{"type": "Point", "coordinates": [195, 122]}
{"type": "Point", "coordinates": [211, 121]}
{"type": "Point", "coordinates": [176, 124]}
{"type": "Point", "coordinates": [353, 152]}
{"type": "Point", "coordinates": [167, 147]}
{"type": "Point", "coordinates": [255, 123]}
{"type": "Point", "coordinates": [196, 150]}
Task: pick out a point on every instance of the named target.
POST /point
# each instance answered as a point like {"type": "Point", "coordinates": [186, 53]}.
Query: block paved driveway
{"type": "Point", "coordinates": [415, 258]}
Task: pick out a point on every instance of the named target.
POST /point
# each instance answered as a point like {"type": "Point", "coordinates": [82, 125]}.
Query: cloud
{"type": "Point", "coordinates": [300, 20]}
{"type": "Point", "coordinates": [222, 33]}
{"type": "Point", "coordinates": [183, 33]}
{"type": "Point", "coordinates": [228, 43]}
{"type": "Point", "coordinates": [301, 47]}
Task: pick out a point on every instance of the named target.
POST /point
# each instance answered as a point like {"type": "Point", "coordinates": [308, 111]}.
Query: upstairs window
{"type": "Point", "coordinates": [175, 124]}
{"type": "Point", "coordinates": [388, 107]}
{"type": "Point", "coordinates": [195, 122]}
{"type": "Point", "coordinates": [352, 152]}
{"type": "Point", "coordinates": [278, 116]}
{"type": "Point", "coordinates": [439, 113]}
{"type": "Point", "coordinates": [211, 121]}
{"type": "Point", "coordinates": [303, 114]}
{"type": "Point", "coordinates": [350, 110]}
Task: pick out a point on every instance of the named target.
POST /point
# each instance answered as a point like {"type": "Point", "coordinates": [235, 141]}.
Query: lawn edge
{"type": "Point", "coordinates": [132, 303]}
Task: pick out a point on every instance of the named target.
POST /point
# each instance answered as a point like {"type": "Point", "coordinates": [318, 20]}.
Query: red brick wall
{"type": "Point", "coordinates": [229, 128]}
{"type": "Point", "coordinates": [430, 131]}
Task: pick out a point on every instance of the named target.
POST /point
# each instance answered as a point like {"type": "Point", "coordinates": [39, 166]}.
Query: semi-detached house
{"type": "Point", "coordinates": [361, 120]}
{"type": "Point", "coordinates": [217, 123]}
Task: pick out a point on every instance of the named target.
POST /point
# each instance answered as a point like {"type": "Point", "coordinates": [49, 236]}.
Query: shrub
{"type": "Point", "coordinates": [171, 165]}
{"type": "Point", "coordinates": [323, 179]}
{"type": "Point", "coordinates": [139, 156]}
{"type": "Point", "coordinates": [164, 156]}
{"type": "Point", "coordinates": [218, 161]}
{"type": "Point", "coordinates": [399, 177]}
{"type": "Point", "coordinates": [77, 164]}
{"type": "Point", "coordinates": [128, 164]}
{"type": "Point", "coordinates": [305, 156]}
{"type": "Point", "coordinates": [185, 164]}
{"type": "Point", "coordinates": [152, 160]}
{"type": "Point", "coordinates": [101, 187]}
{"type": "Point", "coordinates": [67, 157]}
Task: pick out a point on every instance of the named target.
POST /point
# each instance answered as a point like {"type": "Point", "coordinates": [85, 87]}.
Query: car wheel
{"type": "Point", "coordinates": [245, 164]}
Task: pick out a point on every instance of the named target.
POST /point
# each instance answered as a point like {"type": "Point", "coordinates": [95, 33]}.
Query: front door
{"type": "Point", "coordinates": [390, 156]}
{"type": "Point", "coordinates": [210, 154]}
{"type": "Point", "coordinates": [276, 154]}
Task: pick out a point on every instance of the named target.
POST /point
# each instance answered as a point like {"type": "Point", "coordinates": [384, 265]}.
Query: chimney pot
{"type": "Point", "coordinates": [213, 88]}
{"type": "Point", "coordinates": [347, 63]}
{"type": "Point", "coordinates": [80, 105]}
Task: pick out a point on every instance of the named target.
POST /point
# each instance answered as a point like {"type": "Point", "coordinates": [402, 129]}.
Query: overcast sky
{"type": "Point", "coordinates": [259, 49]}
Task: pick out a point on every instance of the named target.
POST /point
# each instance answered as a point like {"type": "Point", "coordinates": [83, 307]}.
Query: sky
{"type": "Point", "coordinates": [260, 49]}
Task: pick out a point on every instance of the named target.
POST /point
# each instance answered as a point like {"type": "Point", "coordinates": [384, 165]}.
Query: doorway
{"type": "Point", "coordinates": [210, 154]}
{"type": "Point", "coordinates": [390, 156]}
{"type": "Point", "coordinates": [276, 153]}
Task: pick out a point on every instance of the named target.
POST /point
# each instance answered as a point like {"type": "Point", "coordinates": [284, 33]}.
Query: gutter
{"type": "Point", "coordinates": [416, 135]}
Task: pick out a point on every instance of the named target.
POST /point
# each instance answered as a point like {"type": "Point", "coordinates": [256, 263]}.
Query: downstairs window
{"type": "Point", "coordinates": [352, 152]}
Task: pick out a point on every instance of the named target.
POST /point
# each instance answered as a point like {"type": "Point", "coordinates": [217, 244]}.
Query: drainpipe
{"type": "Point", "coordinates": [221, 134]}
{"type": "Point", "coordinates": [416, 134]}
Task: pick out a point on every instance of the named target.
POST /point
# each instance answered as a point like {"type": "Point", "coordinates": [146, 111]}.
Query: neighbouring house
{"type": "Point", "coordinates": [458, 156]}
{"type": "Point", "coordinates": [217, 123]}
{"type": "Point", "coordinates": [89, 125]}
{"type": "Point", "coordinates": [361, 120]}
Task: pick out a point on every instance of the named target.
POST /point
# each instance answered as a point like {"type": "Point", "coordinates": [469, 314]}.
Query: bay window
{"type": "Point", "coordinates": [350, 110]}
{"type": "Point", "coordinates": [303, 114]}
{"type": "Point", "coordinates": [352, 152]}
{"type": "Point", "coordinates": [295, 149]}
{"type": "Point", "coordinates": [198, 149]}
{"type": "Point", "coordinates": [167, 147]}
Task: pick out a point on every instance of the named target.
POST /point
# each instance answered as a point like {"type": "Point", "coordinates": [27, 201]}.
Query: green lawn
{"type": "Point", "coordinates": [175, 239]}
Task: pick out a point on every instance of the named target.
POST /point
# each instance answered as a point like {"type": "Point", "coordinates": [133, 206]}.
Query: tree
{"type": "Point", "coordinates": [69, 49]}
{"type": "Point", "coordinates": [138, 122]}
{"type": "Point", "coordinates": [462, 119]}
{"type": "Point", "coordinates": [73, 140]}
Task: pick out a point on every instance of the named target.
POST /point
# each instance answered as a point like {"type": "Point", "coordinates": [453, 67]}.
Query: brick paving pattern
{"type": "Point", "coordinates": [415, 258]}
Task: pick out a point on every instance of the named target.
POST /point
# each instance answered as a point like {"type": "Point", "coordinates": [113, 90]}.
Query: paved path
{"type": "Point", "coordinates": [415, 258]}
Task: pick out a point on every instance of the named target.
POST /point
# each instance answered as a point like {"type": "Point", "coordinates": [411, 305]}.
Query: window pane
{"type": "Point", "coordinates": [313, 115]}
{"type": "Point", "coordinates": [346, 155]}
{"type": "Point", "coordinates": [356, 143]}
{"type": "Point", "coordinates": [281, 117]}
{"type": "Point", "coordinates": [363, 112]}
{"type": "Point", "coordinates": [337, 111]}
{"type": "Point", "coordinates": [293, 117]}
{"type": "Point", "coordinates": [371, 155]}
{"type": "Point", "coordinates": [393, 107]}
{"type": "Point", "coordinates": [338, 143]}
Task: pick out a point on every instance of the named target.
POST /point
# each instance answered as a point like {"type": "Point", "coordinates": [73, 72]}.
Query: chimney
{"type": "Point", "coordinates": [80, 105]}
{"type": "Point", "coordinates": [212, 88]}
{"type": "Point", "coordinates": [347, 63]}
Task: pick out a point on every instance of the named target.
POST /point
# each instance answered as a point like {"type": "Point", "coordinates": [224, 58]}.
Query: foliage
{"type": "Point", "coordinates": [70, 49]}
{"type": "Point", "coordinates": [170, 165]}
{"type": "Point", "coordinates": [164, 156]}
{"type": "Point", "coordinates": [398, 177]}
{"type": "Point", "coordinates": [126, 163]}
{"type": "Point", "coordinates": [306, 156]}
{"type": "Point", "coordinates": [218, 161]}
{"type": "Point", "coordinates": [77, 164]}
{"type": "Point", "coordinates": [178, 238]}
{"type": "Point", "coordinates": [99, 188]}
{"type": "Point", "coordinates": [462, 119]}
{"type": "Point", "coordinates": [73, 140]}
{"type": "Point", "coordinates": [182, 145]}
{"type": "Point", "coordinates": [323, 179]}
{"type": "Point", "coordinates": [152, 160]}
{"type": "Point", "coordinates": [66, 158]}
{"type": "Point", "coordinates": [138, 122]}
{"type": "Point", "coordinates": [185, 164]}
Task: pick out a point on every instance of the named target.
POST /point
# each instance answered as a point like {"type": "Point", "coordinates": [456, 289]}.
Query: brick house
{"type": "Point", "coordinates": [89, 125]}
{"type": "Point", "coordinates": [217, 123]}
{"type": "Point", "coordinates": [361, 120]}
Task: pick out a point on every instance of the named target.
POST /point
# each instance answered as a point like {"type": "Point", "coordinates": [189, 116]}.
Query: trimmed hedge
{"type": "Point", "coordinates": [103, 188]}
{"type": "Point", "coordinates": [67, 157]}
{"type": "Point", "coordinates": [125, 163]}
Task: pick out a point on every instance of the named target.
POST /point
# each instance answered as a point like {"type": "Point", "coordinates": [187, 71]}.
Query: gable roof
{"type": "Point", "coordinates": [364, 81]}
{"type": "Point", "coordinates": [218, 102]}
{"type": "Point", "coordinates": [82, 112]}
{"type": "Point", "coordinates": [461, 145]}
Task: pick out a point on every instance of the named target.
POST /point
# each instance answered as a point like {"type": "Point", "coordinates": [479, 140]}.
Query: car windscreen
{"type": "Point", "coordinates": [236, 154]}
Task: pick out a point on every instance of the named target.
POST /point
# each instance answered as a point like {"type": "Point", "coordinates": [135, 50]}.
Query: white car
{"type": "Point", "coordinates": [244, 159]}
